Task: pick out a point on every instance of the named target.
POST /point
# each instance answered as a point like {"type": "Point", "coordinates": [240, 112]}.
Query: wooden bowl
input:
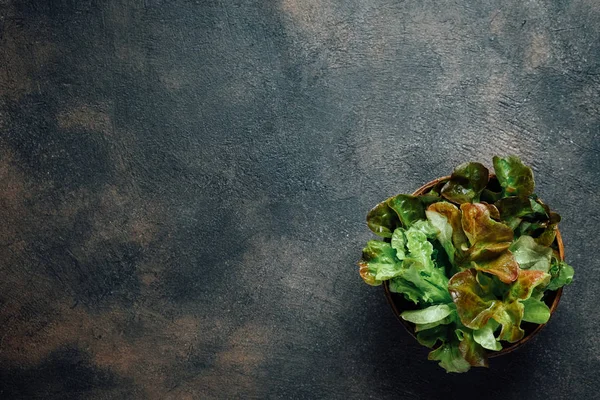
{"type": "Point", "coordinates": [400, 304]}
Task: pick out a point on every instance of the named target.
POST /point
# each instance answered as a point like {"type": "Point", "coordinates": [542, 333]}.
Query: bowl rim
{"type": "Point", "coordinates": [410, 327]}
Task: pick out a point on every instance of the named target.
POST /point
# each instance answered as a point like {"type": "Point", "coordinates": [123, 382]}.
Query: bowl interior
{"type": "Point", "coordinates": [552, 298]}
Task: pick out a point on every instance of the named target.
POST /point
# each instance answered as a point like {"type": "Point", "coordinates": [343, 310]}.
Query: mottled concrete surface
{"type": "Point", "coordinates": [183, 187]}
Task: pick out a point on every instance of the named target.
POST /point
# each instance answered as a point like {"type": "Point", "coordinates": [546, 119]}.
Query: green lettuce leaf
{"type": "Point", "coordinates": [562, 274]}
{"type": "Point", "coordinates": [538, 293]}
{"type": "Point", "coordinates": [466, 183]}
{"type": "Point", "coordinates": [450, 318]}
{"type": "Point", "coordinates": [420, 272]}
{"type": "Point", "coordinates": [531, 255]}
{"type": "Point", "coordinates": [515, 177]}
{"type": "Point", "coordinates": [450, 357]}
{"type": "Point", "coordinates": [429, 337]}
{"type": "Point", "coordinates": [436, 190]}
{"type": "Point", "coordinates": [401, 210]}
{"type": "Point", "coordinates": [419, 248]}
{"type": "Point", "coordinates": [529, 228]}
{"type": "Point", "coordinates": [514, 209]}
{"type": "Point", "coordinates": [429, 198]}
{"type": "Point", "coordinates": [431, 283]}
{"type": "Point", "coordinates": [492, 192]}
{"type": "Point", "coordinates": [521, 206]}
{"type": "Point", "coordinates": [407, 263]}
{"type": "Point", "coordinates": [398, 243]}
{"type": "Point", "coordinates": [485, 336]}
{"type": "Point", "coordinates": [378, 263]}
{"type": "Point", "coordinates": [408, 208]}
{"type": "Point", "coordinates": [426, 227]}
{"type": "Point", "coordinates": [382, 220]}
{"type": "Point", "coordinates": [536, 311]}
{"type": "Point", "coordinates": [410, 291]}
{"type": "Point", "coordinates": [428, 315]}
{"type": "Point", "coordinates": [491, 284]}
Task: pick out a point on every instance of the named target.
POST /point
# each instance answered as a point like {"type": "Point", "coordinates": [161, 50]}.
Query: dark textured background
{"type": "Point", "coordinates": [184, 186]}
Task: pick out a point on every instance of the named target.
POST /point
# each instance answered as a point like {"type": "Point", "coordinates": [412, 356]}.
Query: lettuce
{"type": "Point", "coordinates": [476, 257]}
{"type": "Point", "coordinates": [515, 178]}
{"type": "Point", "coordinates": [485, 336]}
{"type": "Point", "coordinates": [429, 315]}
{"type": "Point", "coordinates": [562, 274]}
{"type": "Point", "coordinates": [535, 311]}
{"type": "Point", "coordinates": [531, 255]}
{"type": "Point", "coordinates": [446, 218]}
{"type": "Point", "coordinates": [382, 220]}
{"type": "Point", "coordinates": [450, 357]}
{"type": "Point", "coordinates": [466, 183]}
{"type": "Point", "coordinates": [490, 241]}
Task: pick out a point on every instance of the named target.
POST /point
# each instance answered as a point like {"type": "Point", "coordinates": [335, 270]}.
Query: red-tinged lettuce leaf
{"type": "Point", "coordinates": [547, 236]}
{"type": "Point", "coordinates": [521, 206]}
{"type": "Point", "coordinates": [528, 280]}
{"type": "Point", "coordinates": [450, 357]}
{"type": "Point", "coordinates": [489, 243]}
{"type": "Point", "coordinates": [475, 306]}
{"type": "Point", "coordinates": [480, 227]}
{"type": "Point", "coordinates": [382, 220]}
{"type": "Point", "coordinates": [493, 210]}
{"type": "Point", "coordinates": [491, 284]}
{"type": "Point", "coordinates": [487, 251]}
{"type": "Point", "coordinates": [531, 255]}
{"type": "Point", "coordinates": [515, 178]}
{"type": "Point", "coordinates": [446, 218]}
{"type": "Point", "coordinates": [408, 208]}
{"type": "Point", "coordinates": [472, 351]}
{"type": "Point", "coordinates": [505, 267]}
{"type": "Point", "coordinates": [510, 315]}
{"type": "Point", "coordinates": [515, 209]}
{"type": "Point", "coordinates": [466, 183]}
